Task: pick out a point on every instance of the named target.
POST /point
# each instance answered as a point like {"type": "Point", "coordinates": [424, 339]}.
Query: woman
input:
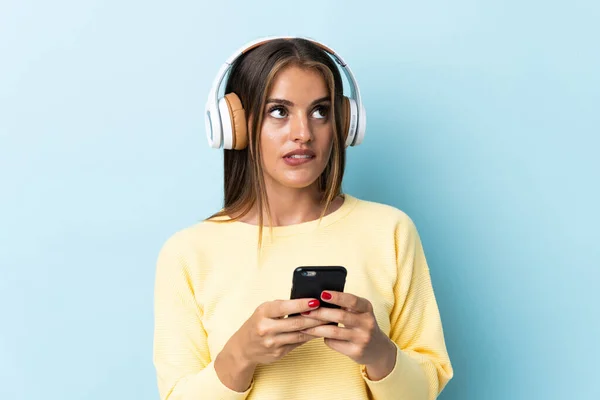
{"type": "Point", "coordinates": [223, 324]}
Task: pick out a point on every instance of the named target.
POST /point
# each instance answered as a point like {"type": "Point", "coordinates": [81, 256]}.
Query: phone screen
{"type": "Point", "coordinates": [309, 282]}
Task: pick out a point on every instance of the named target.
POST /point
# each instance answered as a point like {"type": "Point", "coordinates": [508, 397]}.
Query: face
{"type": "Point", "coordinates": [297, 130]}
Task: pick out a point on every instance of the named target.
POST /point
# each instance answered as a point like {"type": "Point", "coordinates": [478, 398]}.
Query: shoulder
{"type": "Point", "coordinates": [381, 214]}
{"type": "Point", "coordinates": [384, 223]}
{"type": "Point", "coordinates": [191, 239]}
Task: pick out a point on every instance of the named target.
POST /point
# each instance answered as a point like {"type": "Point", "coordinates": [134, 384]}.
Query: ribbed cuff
{"type": "Point", "coordinates": [406, 380]}
{"type": "Point", "coordinates": [207, 383]}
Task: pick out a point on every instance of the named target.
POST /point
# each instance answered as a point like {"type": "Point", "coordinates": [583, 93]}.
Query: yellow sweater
{"type": "Point", "coordinates": [210, 279]}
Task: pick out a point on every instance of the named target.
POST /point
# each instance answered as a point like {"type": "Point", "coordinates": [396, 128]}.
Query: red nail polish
{"type": "Point", "coordinates": [306, 313]}
{"type": "Point", "coordinates": [314, 303]}
{"type": "Point", "coordinates": [326, 296]}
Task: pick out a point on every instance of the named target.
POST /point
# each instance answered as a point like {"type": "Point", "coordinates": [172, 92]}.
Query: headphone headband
{"type": "Point", "coordinates": [214, 124]}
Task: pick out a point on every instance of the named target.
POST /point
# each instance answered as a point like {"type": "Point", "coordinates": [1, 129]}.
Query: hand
{"type": "Point", "coordinates": [361, 339]}
{"type": "Point", "coordinates": [267, 336]}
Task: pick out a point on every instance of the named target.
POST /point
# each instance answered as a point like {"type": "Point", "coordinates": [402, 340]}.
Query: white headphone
{"type": "Point", "coordinates": [225, 119]}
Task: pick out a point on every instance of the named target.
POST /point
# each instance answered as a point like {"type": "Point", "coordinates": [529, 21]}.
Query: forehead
{"type": "Point", "coordinates": [294, 82]}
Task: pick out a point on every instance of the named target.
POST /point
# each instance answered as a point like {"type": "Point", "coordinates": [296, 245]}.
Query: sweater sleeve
{"type": "Point", "coordinates": [422, 366]}
{"type": "Point", "coordinates": [182, 359]}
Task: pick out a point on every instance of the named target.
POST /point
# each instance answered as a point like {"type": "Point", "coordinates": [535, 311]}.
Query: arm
{"type": "Point", "coordinates": [422, 366]}
{"type": "Point", "coordinates": [235, 372]}
{"type": "Point", "coordinates": [182, 359]}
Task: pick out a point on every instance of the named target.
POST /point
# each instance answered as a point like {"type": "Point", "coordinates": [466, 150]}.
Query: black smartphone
{"type": "Point", "coordinates": [309, 282]}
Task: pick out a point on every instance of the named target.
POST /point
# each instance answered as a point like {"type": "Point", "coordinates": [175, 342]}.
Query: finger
{"type": "Point", "coordinates": [331, 332]}
{"type": "Point", "coordinates": [347, 300]}
{"type": "Point", "coordinates": [294, 338]}
{"type": "Point", "coordinates": [281, 308]}
{"type": "Point", "coordinates": [340, 316]}
{"type": "Point", "coordinates": [290, 347]}
{"type": "Point", "coordinates": [295, 324]}
{"type": "Point", "coordinates": [341, 346]}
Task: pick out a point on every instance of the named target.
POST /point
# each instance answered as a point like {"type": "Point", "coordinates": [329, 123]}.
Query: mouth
{"type": "Point", "coordinates": [300, 154]}
{"type": "Point", "coordinates": [299, 157]}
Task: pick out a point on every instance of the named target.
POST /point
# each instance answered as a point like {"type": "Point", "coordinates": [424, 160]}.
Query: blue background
{"type": "Point", "coordinates": [483, 126]}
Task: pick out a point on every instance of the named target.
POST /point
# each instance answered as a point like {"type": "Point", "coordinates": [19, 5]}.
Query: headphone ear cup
{"type": "Point", "coordinates": [346, 117]}
{"type": "Point", "coordinates": [350, 117]}
{"type": "Point", "coordinates": [233, 115]}
{"type": "Point", "coordinates": [362, 126]}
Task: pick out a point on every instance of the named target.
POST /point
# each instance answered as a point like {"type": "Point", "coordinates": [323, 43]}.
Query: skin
{"type": "Point", "coordinates": [297, 117]}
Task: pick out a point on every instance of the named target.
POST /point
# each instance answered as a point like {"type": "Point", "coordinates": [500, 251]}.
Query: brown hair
{"type": "Point", "coordinates": [251, 78]}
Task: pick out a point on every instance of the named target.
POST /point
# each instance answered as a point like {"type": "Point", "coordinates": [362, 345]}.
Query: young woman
{"type": "Point", "coordinates": [223, 324]}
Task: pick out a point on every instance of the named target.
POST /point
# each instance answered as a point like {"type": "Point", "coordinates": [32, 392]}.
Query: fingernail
{"type": "Point", "coordinates": [326, 296]}
{"type": "Point", "coordinates": [314, 303]}
{"type": "Point", "coordinates": [306, 313]}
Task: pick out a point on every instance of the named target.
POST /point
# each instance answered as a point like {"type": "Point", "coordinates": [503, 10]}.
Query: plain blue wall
{"type": "Point", "coordinates": [483, 126]}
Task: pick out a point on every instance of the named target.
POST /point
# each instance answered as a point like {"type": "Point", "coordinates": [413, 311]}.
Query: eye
{"type": "Point", "coordinates": [278, 112]}
{"type": "Point", "coordinates": [321, 112]}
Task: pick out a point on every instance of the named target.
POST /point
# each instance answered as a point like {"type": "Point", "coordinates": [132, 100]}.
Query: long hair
{"type": "Point", "coordinates": [251, 78]}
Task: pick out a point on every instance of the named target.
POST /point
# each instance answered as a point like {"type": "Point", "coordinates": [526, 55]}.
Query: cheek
{"type": "Point", "coordinates": [269, 134]}
{"type": "Point", "coordinates": [271, 141]}
{"type": "Point", "coordinates": [327, 144]}
{"type": "Point", "coordinates": [274, 132]}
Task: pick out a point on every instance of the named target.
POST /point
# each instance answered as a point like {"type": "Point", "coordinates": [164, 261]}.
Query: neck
{"type": "Point", "coordinates": [293, 206]}
{"type": "Point", "coordinates": [290, 206]}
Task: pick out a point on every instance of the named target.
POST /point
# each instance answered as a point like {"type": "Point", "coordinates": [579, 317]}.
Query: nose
{"type": "Point", "coordinates": [301, 130]}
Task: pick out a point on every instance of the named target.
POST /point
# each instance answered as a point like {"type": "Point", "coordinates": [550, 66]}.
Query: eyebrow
{"type": "Point", "coordinates": [291, 104]}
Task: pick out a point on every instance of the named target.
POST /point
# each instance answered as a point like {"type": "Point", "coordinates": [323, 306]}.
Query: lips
{"type": "Point", "coordinates": [300, 154]}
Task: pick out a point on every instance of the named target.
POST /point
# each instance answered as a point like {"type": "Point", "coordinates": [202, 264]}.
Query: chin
{"type": "Point", "coordinates": [298, 182]}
